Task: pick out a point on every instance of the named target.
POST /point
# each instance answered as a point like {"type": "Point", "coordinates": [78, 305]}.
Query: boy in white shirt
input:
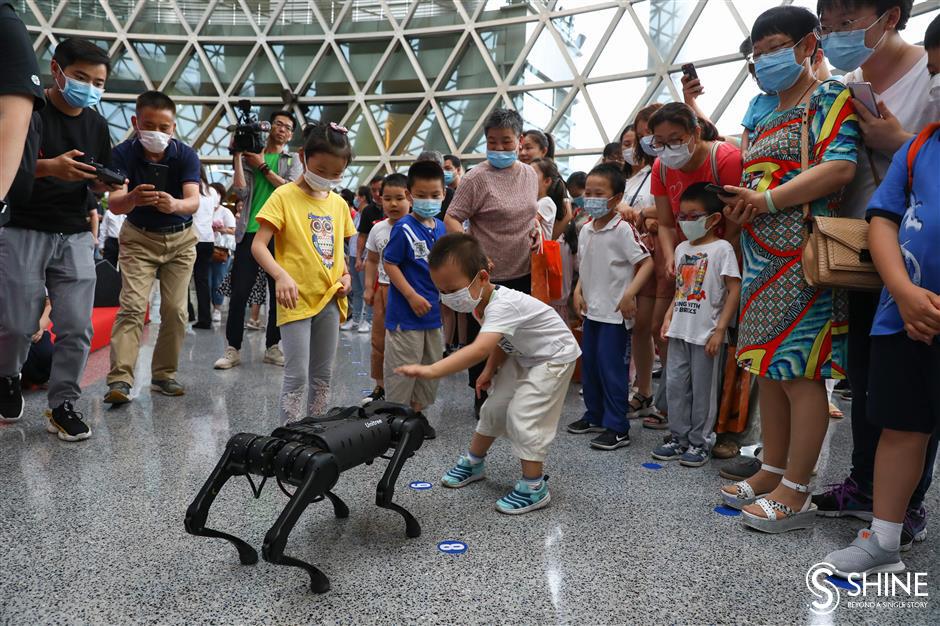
{"type": "Point", "coordinates": [708, 288]}
{"type": "Point", "coordinates": [614, 266]}
{"type": "Point", "coordinates": [530, 357]}
{"type": "Point", "coordinates": [396, 205]}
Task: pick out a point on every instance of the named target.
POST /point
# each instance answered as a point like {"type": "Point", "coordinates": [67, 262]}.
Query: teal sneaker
{"type": "Point", "coordinates": [462, 474]}
{"type": "Point", "coordinates": [522, 499]}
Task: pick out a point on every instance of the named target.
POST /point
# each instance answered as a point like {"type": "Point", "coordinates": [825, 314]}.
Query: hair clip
{"type": "Point", "coordinates": [339, 129]}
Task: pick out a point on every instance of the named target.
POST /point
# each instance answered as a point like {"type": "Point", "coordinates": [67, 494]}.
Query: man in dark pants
{"type": "Point", "coordinates": [499, 198]}
{"type": "Point", "coordinates": [256, 178]}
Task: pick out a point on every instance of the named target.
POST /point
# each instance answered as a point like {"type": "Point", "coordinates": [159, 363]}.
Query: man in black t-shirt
{"type": "Point", "coordinates": [48, 244]}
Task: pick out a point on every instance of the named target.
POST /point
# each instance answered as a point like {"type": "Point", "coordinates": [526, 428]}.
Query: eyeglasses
{"type": "Point", "coordinates": [824, 31]}
{"type": "Point", "coordinates": [287, 127]}
{"type": "Point", "coordinates": [753, 56]}
{"type": "Point", "coordinates": [650, 143]}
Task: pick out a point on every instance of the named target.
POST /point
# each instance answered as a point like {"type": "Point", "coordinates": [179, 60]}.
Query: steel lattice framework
{"type": "Point", "coordinates": [405, 75]}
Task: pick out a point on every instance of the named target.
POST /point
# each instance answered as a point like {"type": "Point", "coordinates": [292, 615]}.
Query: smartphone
{"type": "Point", "coordinates": [866, 95]}
{"type": "Point", "coordinates": [156, 174]}
{"type": "Point", "coordinates": [718, 189]}
{"type": "Point", "coordinates": [689, 70]}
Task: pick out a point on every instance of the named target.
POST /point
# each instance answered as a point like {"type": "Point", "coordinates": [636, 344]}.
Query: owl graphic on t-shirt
{"type": "Point", "coordinates": [321, 227]}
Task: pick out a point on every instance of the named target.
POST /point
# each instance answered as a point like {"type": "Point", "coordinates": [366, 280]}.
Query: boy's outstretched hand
{"type": "Point", "coordinates": [414, 371]}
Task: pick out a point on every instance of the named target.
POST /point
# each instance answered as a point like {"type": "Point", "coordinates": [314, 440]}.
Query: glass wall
{"type": "Point", "coordinates": [409, 75]}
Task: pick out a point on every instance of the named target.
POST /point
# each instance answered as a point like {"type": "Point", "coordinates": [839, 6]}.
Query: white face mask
{"type": "Point", "coordinates": [676, 158]}
{"type": "Point", "coordinates": [153, 140]}
{"type": "Point", "coordinates": [629, 156]}
{"type": "Point", "coordinates": [461, 300]}
{"type": "Point", "coordinates": [318, 183]}
{"type": "Point", "coordinates": [695, 229]}
{"type": "Point", "coordinates": [933, 93]}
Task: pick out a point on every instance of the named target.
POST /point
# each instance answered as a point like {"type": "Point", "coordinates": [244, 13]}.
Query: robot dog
{"type": "Point", "coordinates": [310, 454]}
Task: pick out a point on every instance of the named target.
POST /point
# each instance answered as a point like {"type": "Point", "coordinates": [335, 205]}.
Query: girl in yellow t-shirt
{"type": "Point", "coordinates": [309, 223]}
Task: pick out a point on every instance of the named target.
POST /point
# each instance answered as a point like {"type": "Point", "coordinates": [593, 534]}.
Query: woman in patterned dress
{"type": "Point", "coordinates": [791, 335]}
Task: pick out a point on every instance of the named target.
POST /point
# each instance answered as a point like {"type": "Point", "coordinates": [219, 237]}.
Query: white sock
{"type": "Point", "coordinates": [474, 460]}
{"type": "Point", "coordinates": [888, 534]}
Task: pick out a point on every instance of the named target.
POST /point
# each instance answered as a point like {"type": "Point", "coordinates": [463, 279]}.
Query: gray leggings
{"type": "Point", "coordinates": [309, 350]}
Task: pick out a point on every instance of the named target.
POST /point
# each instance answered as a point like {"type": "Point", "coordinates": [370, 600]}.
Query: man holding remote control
{"type": "Point", "coordinates": [48, 245]}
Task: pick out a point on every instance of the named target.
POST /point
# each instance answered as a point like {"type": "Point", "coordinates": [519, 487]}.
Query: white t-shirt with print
{"type": "Point", "coordinates": [608, 258]}
{"type": "Point", "coordinates": [546, 217]}
{"type": "Point", "coordinates": [225, 217]}
{"type": "Point", "coordinates": [532, 331]}
{"type": "Point", "coordinates": [908, 100]}
{"type": "Point", "coordinates": [700, 289]}
{"type": "Point", "coordinates": [202, 219]}
{"type": "Point", "coordinates": [378, 239]}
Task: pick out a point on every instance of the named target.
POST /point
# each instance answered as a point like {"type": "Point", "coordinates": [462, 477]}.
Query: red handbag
{"type": "Point", "coordinates": [546, 269]}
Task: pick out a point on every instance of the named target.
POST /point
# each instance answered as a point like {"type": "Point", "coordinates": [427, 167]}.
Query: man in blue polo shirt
{"type": "Point", "coordinates": [156, 237]}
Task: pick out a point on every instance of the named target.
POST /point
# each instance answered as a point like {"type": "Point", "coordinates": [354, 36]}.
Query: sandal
{"type": "Point", "coordinates": [655, 420]}
{"type": "Point", "coordinates": [781, 518]}
{"type": "Point", "coordinates": [640, 406]}
{"type": "Point", "coordinates": [744, 492]}
{"type": "Point", "coordinates": [835, 412]}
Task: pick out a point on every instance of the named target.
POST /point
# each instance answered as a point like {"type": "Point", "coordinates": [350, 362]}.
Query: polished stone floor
{"type": "Point", "coordinates": [92, 532]}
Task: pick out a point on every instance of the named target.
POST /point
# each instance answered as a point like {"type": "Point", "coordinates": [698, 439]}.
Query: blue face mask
{"type": "Point", "coordinates": [356, 202]}
{"type": "Point", "coordinates": [596, 207]}
{"type": "Point", "coordinates": [847, 50]}
{"type": "Point", "coordinates": [426, 207]}
{"type": "Point", "coordinates": [777, 71]}
{"type": "Point", "coordinates": [578, 202]}
{"type": "Point", "coordinates": [501, 159]}
{"type": "Point", "coordinates": [448, 176]}
{"type": "Point", "coordinates": [78, 94]}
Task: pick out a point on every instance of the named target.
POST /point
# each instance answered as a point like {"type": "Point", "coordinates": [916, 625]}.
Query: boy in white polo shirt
{"type": "Point", "coordinates": [530, 357]}
{"type": "Point", "coordinates": [614, 266]}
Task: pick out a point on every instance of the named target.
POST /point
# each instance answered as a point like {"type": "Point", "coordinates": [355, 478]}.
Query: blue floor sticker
{"type": "Point", "coordinates": [452, 547]}
{"type": "Point", "coordinates": [727, 510]}
{"type": "Point", "coordinates": [420, 485]}
{"type": "Point", "coordinates": [841, 583]}
{"type": "Point", "coordinates": [653, 466]}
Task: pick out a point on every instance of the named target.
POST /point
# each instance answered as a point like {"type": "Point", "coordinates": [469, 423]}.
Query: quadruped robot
{"type": "Point", "coordinates": [310, 455]}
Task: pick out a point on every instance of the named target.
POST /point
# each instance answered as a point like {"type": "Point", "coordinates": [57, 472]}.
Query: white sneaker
{"type": "Point", "coordinates": [217, 316]}
{"type": "Point", "coordinates": [274, 356]}
{"type": "Point", "coordinates": [365, 327]}
{"type": "Point", "coordinates": [229, 360]}
{"type": "Point", "coordinates": [349, 324]}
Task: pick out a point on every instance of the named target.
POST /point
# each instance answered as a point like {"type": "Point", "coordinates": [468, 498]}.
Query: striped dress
{"type": "Point", "coordinates": [787, 329]}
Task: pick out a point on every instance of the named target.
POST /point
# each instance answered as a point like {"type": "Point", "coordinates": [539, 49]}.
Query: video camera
{"type": "Point", "coordinates": [247, 133]}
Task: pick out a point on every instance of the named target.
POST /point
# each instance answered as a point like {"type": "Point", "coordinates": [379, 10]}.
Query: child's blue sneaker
{"type": "Point", "coordinates": [522, 499]}
{"type": "Point", "coordinates": [463, 473]}
{"type": "Point", "coordinates": [669, 451]}
{"type": "Point", "coordinates": [694, 457]}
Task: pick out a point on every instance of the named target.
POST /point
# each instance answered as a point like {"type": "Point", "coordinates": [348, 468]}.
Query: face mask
{"type": "Point", "coordinates": [578, 202]}
{"type": "Point", "coordinates": [356, 202]}
{"type": "Point", "coordinates": [695, 229]}
{"type": "Point", "coordinates": [629, 156]}
{"type": "Point", "coordinates": [461, 300]}
{"type": "Point", "coordinates": [501, 159]}
{"type": "Point", "coordinates": [318, 183]}
{"type": "Point", "coordinates": [847, 50]}
{"type": "Point", "coordinates": [448, 177]}
{"type": "Point", "coordinates": [596, 207]}
{"type": "Point", "coordinates": [153, 140]}
{"type": "Point", "coordinates": [675, 158]}
{"type": "Point", "coordinates": [933, 95]}
{"type": "Point", "coordinates": [79, 94]}
{"type": "Point", "coordinates": [777, 71]}
{"type": "Point", "coordinates": [426, 207]}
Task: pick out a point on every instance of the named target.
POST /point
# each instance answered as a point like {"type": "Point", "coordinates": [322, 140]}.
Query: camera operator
{"type": "Point", "coordinates": [48, 244]}
{"type": "Point", "coordinates": [256, 177]}
{"type": "Point", "coordinates": [20, 95]}
{"type": "Point", "coordinates": [156, 237]}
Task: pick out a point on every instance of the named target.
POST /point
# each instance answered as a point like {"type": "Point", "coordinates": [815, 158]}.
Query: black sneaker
{"type": "Point", "coordinates": [67, 423]}
{"type": "Point", "coordinates": [741, 468]}
{"type": "Point", "coordinates": [478, 404]}
{"type": "Point", "coordinates": [429, 432]}
{"type": "Point", "coordinates": [843, 389]}
{"type": "Point", "coordinates": [915, 527]}
{"type": "Point", "coordinates": [11, 399]}
{"type": "Point", "coordinates": [583, 426]}
{"type": "Point", "coordinates": [610, 440]}
{"type": "Point", "coordinates": [118, 393]}
{"type": "Point", "coordinates": [168, 387]}
{"type": "Point", "coordinates": [377, 394]}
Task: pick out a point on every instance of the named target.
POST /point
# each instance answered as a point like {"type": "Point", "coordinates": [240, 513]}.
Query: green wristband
{"type": "Point", "coordinates": [768, 198]}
